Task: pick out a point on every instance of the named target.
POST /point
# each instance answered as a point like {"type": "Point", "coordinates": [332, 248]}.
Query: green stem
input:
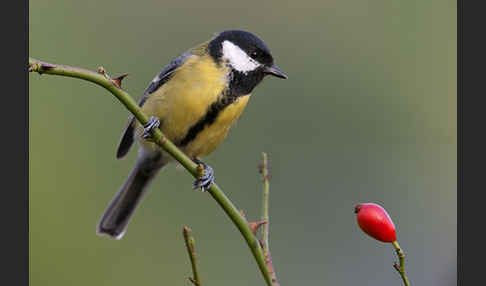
{"type": "Point", "coordinates": [401, 268]}
{"type": "Point", "coordinates": [266, 219]}
{"type": "Point", "coordinates": [103, 80]}
{"type": "Point", "coordinates": [266, 196]}
{"type": "Point", "coordinates": [191, 250]}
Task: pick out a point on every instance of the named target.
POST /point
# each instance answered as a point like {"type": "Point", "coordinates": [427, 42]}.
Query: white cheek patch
{"type": "Point", "coordinates": [237, 58]}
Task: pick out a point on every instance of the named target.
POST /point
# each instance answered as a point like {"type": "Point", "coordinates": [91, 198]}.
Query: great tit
{"type": "Point", "coordinates": [194, 101]}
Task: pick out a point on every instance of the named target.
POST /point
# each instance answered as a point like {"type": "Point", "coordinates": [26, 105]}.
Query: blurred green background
{"type": "Point", "coordinates": [367, 115]}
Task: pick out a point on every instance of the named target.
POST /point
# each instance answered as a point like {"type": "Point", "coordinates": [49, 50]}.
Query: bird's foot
{"type": "Point", "coordinates": [207, 178]}
{"type": "Point", "coordinates": [154, 122]}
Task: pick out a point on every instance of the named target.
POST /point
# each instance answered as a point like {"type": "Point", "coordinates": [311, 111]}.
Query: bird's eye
{"type": "Point", "coordinates": [254, 54]}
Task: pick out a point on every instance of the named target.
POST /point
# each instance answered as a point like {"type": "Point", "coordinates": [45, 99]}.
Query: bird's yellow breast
{"type": "Point", "coordinates": [186, 98]}
{"type": "Point", "coordinates": [214, 134]}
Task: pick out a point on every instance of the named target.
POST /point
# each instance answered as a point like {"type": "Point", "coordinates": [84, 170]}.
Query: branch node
{"type": "Point", "coordinates": [40, 67]}
{"type": "Point", "coordinates": [101, 70]}
{"type": "Point", "coordinates": [115, 81]}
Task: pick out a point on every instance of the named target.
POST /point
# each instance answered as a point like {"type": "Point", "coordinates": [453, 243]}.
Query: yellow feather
{"type": "Point", "coordinates": [213, 135]}
{"type": "Point", "coordinates": [184, 100]}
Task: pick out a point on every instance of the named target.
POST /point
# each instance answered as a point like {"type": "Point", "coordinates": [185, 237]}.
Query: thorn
{"type": "Point", "coordinates": [118, 81]}
{"type": "Point", "coordinates": [255, 225]}
{"type": "Point", "coordinates": [395, 265]}
{"type": "Point", "coordinates": [193, 281]}
{"type": "Point", "coordinates": [262, 244]}
{"type": "Point", "coordinates": [260, 168]}
{"type": "Point", "coordinates": [242, 213]}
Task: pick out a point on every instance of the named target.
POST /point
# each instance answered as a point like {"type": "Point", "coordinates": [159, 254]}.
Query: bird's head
{"type": "Point", "coordinates": [247, 56]}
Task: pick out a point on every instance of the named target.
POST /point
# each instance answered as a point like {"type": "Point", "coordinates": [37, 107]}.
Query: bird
{"type": "Point", "coordinates": [194, 101]}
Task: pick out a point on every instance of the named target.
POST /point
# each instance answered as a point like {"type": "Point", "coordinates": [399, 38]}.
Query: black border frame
{"type": "Point", "coordinates": [14, 210]}
{"type": "Point", "coordinates": [471, 144]}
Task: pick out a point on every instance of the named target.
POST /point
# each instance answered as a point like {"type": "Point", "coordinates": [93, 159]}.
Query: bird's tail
{"type": "Point", "coordinates": [116, 217]}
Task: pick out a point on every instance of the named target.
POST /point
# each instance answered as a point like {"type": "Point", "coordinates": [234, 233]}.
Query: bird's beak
{"type": "Point", "coordinates": [275, 71]}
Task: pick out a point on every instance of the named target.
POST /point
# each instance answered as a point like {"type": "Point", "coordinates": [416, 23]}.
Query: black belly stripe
{"type": "Point", "coordinates": [213, 111]}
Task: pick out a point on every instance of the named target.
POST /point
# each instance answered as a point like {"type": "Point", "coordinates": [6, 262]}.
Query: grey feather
{"type": "Point", "coordinates": [117, 216]}
{"type": "Point", "coordinates": [164, 75]}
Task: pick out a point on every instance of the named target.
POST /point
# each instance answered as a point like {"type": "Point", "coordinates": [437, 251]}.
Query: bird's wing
{"type": "Point", "coordinates": [163, 76]}
{"type": "Point", "coordinates": [127, 137]}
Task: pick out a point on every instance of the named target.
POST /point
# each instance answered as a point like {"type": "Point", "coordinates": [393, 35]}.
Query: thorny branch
{"type": "Point", "coordinates": [101, 78]}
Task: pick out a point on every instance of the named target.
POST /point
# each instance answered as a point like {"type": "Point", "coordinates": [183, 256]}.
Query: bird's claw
{"type": "Point", "coordinates": [153, 122]}
{"type": "Point", "coordinates": [205, 181]}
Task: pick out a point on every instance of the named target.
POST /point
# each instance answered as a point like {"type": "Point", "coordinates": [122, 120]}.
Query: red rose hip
{"type": "Point", "coordinates": [375, 221]}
